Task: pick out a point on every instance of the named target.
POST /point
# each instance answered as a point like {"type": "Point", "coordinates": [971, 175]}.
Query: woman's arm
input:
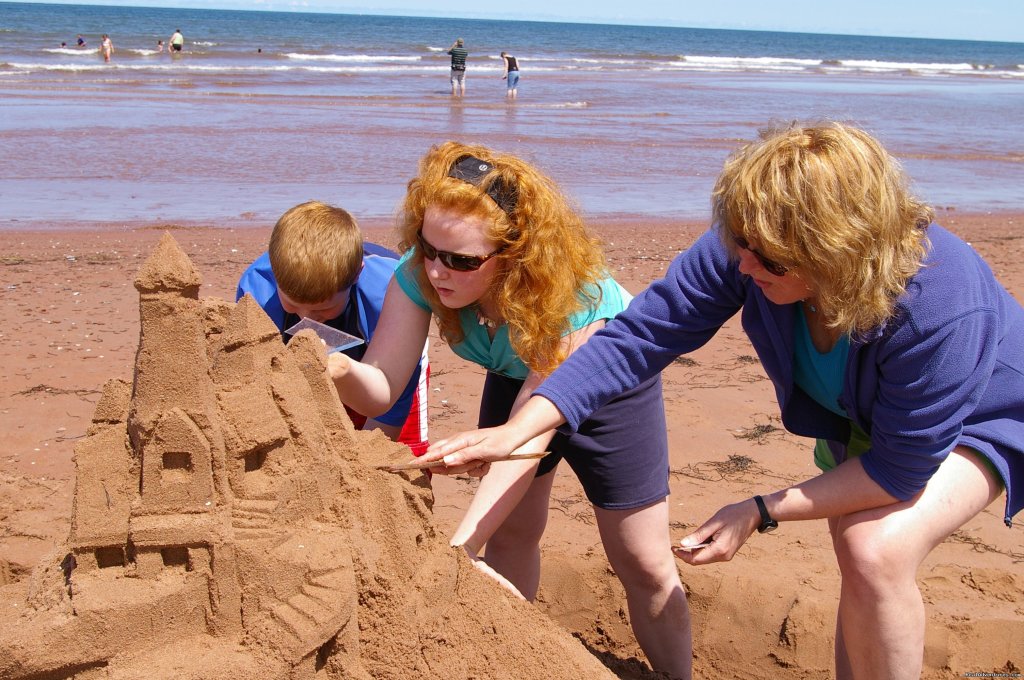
{"type": "Point", "coordinates": [530, 417]}
{"type": "Point", "coordinates": [841, 491]}
{"type": "Point", "coordinates": [504, 485]}
{"type": "Point", "coordinates": [373, 385]}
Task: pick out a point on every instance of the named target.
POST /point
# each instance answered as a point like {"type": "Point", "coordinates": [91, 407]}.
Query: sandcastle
{"type": "Point", "coordinates": [229, 521]}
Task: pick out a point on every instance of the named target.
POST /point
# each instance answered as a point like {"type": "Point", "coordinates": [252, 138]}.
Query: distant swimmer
{"type": "Point", "coordinates": [81, 40]}
{"type": "Point", "coordinates": [159, 45]}
{"type": "Point", "coordinates": [176, 42]}
{"type": "Point", "coordinates": [106, 47]}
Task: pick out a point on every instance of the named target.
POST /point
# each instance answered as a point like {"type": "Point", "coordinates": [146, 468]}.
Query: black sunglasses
{"type": "Point", "coordinates": [472, 170]}
{"type": "Point", "coordinates": [771, 266]}
{"type": "Point", "coordinates": [454, 261]}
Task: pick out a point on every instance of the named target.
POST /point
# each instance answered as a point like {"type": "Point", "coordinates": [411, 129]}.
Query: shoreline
{"type": "Point", "coordinates": [377, 224]}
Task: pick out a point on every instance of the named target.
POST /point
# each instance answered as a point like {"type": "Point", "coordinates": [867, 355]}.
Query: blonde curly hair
{"type": "Point", "coordinates": [549, 265]}
{"type": "Point", "coordinates": [830, 202]}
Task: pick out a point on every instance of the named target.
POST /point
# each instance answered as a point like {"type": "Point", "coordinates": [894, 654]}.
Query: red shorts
{"type": "Point", "coordinates": [414, 432]}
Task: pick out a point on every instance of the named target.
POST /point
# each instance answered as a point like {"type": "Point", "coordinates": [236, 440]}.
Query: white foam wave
{"type": "Point", "coordinates": [76, 51]}
{"type": "Point", "coordinates": [350, 57]}
{"type": "Point", "coordinates": [212, 69]}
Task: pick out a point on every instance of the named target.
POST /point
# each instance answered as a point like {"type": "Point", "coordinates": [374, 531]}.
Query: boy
{"type": "Point", "coordinates": [318, 267]}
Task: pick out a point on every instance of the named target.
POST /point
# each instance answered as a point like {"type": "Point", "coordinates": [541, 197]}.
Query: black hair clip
{"type": "Point", "coordinates": [473, 170]}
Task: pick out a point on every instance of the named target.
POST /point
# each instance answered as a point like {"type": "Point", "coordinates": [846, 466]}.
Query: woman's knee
{"type": "Point", "coordinates": [871, 558]}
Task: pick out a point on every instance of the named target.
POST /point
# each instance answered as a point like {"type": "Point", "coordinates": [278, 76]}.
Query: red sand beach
{"type": "Point", "coordinates": [71, 322]}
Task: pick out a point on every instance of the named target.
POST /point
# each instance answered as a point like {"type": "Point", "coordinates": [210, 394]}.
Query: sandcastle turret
{"type": "Point", "coordinates": [173, 410]}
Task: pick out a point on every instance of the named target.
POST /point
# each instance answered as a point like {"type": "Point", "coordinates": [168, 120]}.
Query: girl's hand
{"type": "Point", "coordinates": [489, 570]}
{"type": "Point", "coordinates": [727, 530]}
{"type": "Point", "coordinates": [338, 365]}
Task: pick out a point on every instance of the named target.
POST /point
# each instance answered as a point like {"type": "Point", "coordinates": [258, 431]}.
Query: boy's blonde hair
{"type": "Point", "coordinates": [316, 250]}
{"type": "Point", "coordinates": [549, 266]}
{"type": "Point", "coordinates": [829, 201]}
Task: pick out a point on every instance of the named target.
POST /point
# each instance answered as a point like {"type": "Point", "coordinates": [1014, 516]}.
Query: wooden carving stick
{"type": "Point", "coordinates": [422, 465]}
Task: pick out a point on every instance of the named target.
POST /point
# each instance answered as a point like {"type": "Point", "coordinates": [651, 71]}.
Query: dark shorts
{"type": "Point", "coordinates": [176, 48]}
{"type": "Point", "coordinates": [619, 454]}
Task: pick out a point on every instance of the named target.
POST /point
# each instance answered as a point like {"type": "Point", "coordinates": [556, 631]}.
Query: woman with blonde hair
{"type": "Point", "coordinates": [889, 341]}
{"type": "Point", "coordinates": [497, 255]}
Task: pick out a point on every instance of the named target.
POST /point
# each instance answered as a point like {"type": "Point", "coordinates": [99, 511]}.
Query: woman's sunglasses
{"type": "Point", "coordinates": [454, 261]}
{"type": "Point", "coordinates": [771, 266]}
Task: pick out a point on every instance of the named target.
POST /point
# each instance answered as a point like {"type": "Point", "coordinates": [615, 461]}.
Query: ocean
{"type": "Point", "coordinates": [263, 110]}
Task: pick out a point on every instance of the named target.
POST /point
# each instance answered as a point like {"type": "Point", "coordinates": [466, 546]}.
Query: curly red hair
{"type": "Point", "coordinates": [549, 266]}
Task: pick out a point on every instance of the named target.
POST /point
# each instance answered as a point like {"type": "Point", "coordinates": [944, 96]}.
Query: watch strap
{"type": "Point", "coordinates": [767, 523]}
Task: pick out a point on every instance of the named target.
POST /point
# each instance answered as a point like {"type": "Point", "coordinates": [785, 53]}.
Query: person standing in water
{"type": "Point", "coordinates": [458, 74]}
{"type": "Point", "coordinates": [106, 47]}
{"type": "Point", "coordinates": [176, 41]}
{"type": "Point", "coordinates": [510, 74]}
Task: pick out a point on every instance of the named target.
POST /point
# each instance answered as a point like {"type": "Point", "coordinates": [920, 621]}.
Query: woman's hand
{"type": "Point", "coordinates": [727, 530]}
{"type": "Point", "coordinates": [470, 452]}
{"type": "Point", "coordinates": [488, 444]}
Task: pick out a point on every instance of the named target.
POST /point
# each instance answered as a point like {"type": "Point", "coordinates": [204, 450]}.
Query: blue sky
{"type": "Point", "coordinates": [1001, 20]}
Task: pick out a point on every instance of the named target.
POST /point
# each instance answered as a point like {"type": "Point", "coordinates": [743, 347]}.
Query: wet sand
{"type": "Point", "coordinates": [70, 322]}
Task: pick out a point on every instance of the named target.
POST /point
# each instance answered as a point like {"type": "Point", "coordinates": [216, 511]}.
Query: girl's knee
{"type": "Point", "coordinates": [516, 537]}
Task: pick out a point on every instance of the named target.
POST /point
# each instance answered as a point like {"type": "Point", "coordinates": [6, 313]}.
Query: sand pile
{"type": "Point", "coordinates": [228, 520]}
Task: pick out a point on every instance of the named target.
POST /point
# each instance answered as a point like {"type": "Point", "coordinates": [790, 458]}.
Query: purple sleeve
{"type": "Point", "coordinates": [674, 315]}
{"type": "Point", "coordinates": [927, 386]}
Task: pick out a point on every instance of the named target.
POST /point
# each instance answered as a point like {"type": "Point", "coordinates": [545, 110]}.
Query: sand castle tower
{"type": "Point", "coordinates": [228, 520]}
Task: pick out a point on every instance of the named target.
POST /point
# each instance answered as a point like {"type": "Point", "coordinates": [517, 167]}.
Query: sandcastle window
{"type": "Point", "coordinates": [325, 652]}
{"type": "Point", "coordinates": [110, 557]}
{"type": "Point", "coordinates": [254, 460]}
{"type": "Point", "coordinates": [177, 464]}
{"type": "Point", "coordinates": [175, 557]}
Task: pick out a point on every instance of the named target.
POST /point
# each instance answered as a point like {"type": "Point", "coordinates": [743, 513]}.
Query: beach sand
{"type": "Point", "coordinates": [70, 322]}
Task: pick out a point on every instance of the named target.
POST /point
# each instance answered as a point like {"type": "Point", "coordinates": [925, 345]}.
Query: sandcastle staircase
{"type": "Point", "coordinates": [253, 520]}
{"type": "Point", "coordinates": [311, 618]}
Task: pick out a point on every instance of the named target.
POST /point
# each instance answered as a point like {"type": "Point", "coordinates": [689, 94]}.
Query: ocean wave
{"type": "Point", "coordinates": [215, 69]}
{"type": "Point", "coordinates": [350, 57]}
{"type": "Point", "coordinates": [76, 51]}
{"type": "Point", "coordinates": [141, 59]}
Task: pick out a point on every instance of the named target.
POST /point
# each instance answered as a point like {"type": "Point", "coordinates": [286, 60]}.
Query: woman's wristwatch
{"type": "Point", "coordinates": [767, 523]}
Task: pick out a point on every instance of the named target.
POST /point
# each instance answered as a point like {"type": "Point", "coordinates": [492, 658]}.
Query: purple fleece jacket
{"type": "Point", "coordinates": [947, 369]}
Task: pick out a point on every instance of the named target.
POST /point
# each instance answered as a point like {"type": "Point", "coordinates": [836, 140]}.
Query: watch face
{"type": "Point", "coordinates": [768, 527]}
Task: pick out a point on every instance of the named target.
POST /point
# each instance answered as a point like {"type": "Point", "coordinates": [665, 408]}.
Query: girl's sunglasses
{"type": "Point", "coordinates": [771, 266]}
{"type": "Point", "coordinates": [454, 261]}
